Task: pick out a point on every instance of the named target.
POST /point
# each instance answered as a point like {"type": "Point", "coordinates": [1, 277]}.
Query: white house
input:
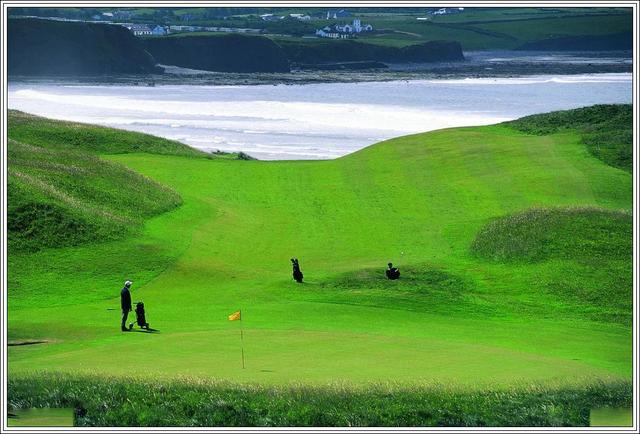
{"type": "Point", "coordinates": [344, 31]}
{"type": "Point", "coordinates": [300, 17]}
{"type": "Point", "coordinates": [270, 17]}
{"type": "Point", "coordinates": [139, 29]}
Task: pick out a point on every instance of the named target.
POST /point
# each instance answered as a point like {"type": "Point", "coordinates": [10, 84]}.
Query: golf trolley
{"type": "Point", "coordinates": [140, 318]}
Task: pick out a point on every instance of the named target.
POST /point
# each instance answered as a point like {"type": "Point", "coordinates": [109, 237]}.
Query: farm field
{"type": "Point", "coordinates": [514, 242]}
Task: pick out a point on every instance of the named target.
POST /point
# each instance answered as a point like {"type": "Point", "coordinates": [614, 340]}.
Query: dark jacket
{"type": "Point", "coordinates": [125, 299]}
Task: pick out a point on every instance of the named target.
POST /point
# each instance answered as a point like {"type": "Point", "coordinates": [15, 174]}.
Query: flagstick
{"type": "Point", "coordinates": [241, 340]}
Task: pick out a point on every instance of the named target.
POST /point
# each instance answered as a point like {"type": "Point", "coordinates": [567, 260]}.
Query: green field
{"type": "Point", "coordinates": [544, 300]}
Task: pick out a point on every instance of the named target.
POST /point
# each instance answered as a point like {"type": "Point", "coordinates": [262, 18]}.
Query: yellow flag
{"type": "Point", "coordinates": [235, 316]}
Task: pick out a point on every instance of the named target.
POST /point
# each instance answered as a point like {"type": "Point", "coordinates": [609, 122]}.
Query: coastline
{"type": "Point", "coordinates": [501, 64]}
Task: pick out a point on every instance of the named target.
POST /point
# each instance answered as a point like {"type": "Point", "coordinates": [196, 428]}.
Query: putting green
{"type": "Point", "coordinates": [417, 201]}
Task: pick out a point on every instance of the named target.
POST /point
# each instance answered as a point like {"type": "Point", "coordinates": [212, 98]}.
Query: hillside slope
{"type": "Point", "coordinates": [38, 47]}
{"type": "Point", "coordinates": [62, 194]}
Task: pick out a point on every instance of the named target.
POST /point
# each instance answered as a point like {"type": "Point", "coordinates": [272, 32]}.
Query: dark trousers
{"type": "Point", "coordinates": [125, 314]}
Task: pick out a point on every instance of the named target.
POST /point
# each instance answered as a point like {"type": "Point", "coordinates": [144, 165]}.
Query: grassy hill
{"type": "Point", "coordinates": [63, 194]}
{"type": "Point", "coordinates": [515, 293]}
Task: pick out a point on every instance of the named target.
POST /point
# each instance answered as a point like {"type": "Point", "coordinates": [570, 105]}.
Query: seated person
{"type": "Point", "coordinates": [392, 272]}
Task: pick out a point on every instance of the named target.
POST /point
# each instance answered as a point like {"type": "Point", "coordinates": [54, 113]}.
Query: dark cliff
{"type": "Point", "coordinates": [354, 51]}
{"type": "Point", "coordinates": [39, 47]}
{"type": "Point", "coordinates": [224, 53]}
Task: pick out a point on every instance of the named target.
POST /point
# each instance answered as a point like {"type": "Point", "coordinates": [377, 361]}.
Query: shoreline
{"type": "Point", "coordinates": [508, 64]}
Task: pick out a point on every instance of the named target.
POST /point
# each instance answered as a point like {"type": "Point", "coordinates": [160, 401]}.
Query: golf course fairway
{"type": "Point", "coordinates": [459, 315]}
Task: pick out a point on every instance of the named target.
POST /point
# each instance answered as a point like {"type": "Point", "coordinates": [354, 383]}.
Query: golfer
{"type": "Point", "coordinates": [392, 272]}
{"type": "Point", "coordinates": [125, 303]}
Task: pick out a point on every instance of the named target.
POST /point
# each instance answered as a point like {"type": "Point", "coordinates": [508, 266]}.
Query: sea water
{"type": "Point", "coordinates": [314, 121]}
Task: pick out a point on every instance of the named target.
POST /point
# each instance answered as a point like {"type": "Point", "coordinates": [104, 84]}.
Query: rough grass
{"type": "Point", "coordinates": [537, 234]}
{"type": "Point", "coordinates": [606, 130]}
{"type": "Point", "coordinates": [421, 288]}
{"type": "Point", "coordinates": [49, 133]}
{"type": "Point", "coordinates": [64, 197]}
{"type": "Point", "coordinates": [587, 252]}
{"type": "Point", "coordinates": [104, 401]}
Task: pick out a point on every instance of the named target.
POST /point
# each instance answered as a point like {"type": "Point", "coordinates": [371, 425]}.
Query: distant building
{"type": "Point", "coordinates": [445, 11]}
{"type": "Point", "coordinates": [270, 17]}
{"type": "Point", "coordinates": [139, 29]}
{"type": "Point", "coordinates": [300, 17]}
{"type": "Point", "coordinates": [347, 29]}
{"type": "Point", "coordinates": [337, 14]}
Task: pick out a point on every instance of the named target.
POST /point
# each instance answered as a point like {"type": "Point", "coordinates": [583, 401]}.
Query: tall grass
{"type": "Point", "coordinates": [607, 130]}
{"type": "Point", "coordinates": [538, 234]}
{"type": "Point", "coordinates": [54, 134]}
{"type": "Point", "coordinates": [104, 401]}
{"type": "Point", "coordinates": [62, 197]}
{"type": "Point", "coordinates": [586, 250]}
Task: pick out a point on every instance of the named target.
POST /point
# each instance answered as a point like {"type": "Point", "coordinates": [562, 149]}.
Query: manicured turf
{"type": "Point", "coordinates": [455, 317]}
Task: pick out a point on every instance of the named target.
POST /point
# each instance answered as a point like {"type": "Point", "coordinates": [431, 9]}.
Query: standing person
{"type": "Point", "coordinates": [297, 274]}
{"type": "Point", "coordinates": [392, 272]}
{"type": "Point", "coordinates": [125, 304]}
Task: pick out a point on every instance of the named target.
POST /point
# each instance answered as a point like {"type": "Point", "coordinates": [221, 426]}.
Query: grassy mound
{"type": "Point", "coordinates": [421, 288]}
{"type": "Point", "coordinates": [69, 197]}
{"type": "Point", "coordinates": [62, 194]}
{"type": "Point", "coordinates": [131, 402]}
{"type": "Point", "coordinates": [49, 133]}
{"type": "Point", "coordinates": [583, 234]}
{"type": "Point", "coordinates": [586, 251]}
{"type": "Point", "coordinates": [606, 130]}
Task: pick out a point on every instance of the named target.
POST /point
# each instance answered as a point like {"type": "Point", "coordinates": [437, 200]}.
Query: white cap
{"type": "Point", "coordinates": [128, 283]}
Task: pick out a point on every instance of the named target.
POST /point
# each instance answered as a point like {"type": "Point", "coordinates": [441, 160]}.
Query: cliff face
{"type": "Point", "coordinates": [433, 51]}
{"type": "Point", "coordinates": [352, 51]}
{"type": "Point", "coordinates": [39, 47]}
{"type": "Point", "coordinates": [224, 53]}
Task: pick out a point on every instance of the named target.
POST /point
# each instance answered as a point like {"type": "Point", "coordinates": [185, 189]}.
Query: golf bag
{"type": "Point", "coordinates": [140, 318]}
{"type": "Point", "coordinates": [297, 274]}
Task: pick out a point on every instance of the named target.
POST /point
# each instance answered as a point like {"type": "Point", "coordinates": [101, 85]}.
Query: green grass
{"type": "Point", "coordinates": [189, 402]}
{"type": "Point", "coordinates": [456, 318]}
{"type": "Point", "coordinates": [69, 197]}
{"type": "Point", "coordinates": [475, 29]}
{"type": "Point", "coordinates": [42, 417]}
{"type": "Point", "coordinates": [611, 416]}
{"type": "Point", "coordinates": [501, 28]}
{"type": "Point", "coordinates": [564, 233]}
{"type": "Point", "coordinates": [607, 130]}
{"type": "Point", "coordinates": [63, 194]}
{"type": "Point", "coordinates": [53, 134]}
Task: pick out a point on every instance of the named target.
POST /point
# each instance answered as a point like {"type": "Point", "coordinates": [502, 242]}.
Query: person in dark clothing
{"type": "Point", "coordinates": [392, 272]}
{"type": "Point", "coordinates": [125, 304]}
{"type": "Point", "coordinates": [297, 274]}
